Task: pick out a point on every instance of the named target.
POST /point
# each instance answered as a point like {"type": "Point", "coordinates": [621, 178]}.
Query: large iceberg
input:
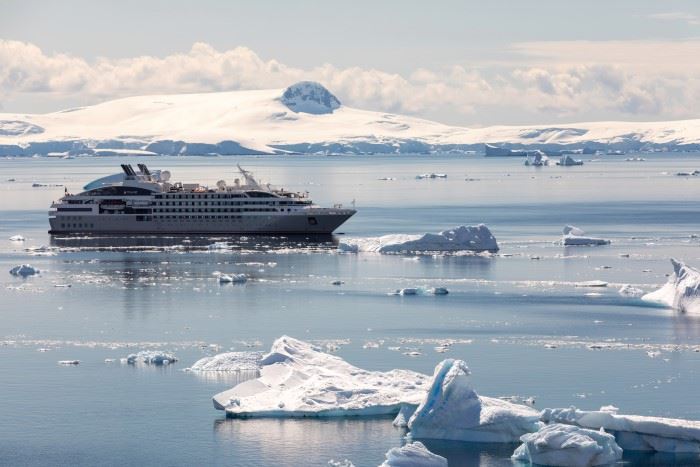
{"type": "Point", "coordinates": [297, 379]}
{"type": "Point", "coordinates": [682, 291]}
{"type": "Point", "coordinates": [229, 361]}
{"type": "Point", "coordinates": [568, 446]}
{"type": "Point", "coordinates": [573, 236]}
{"type": "Point", "coordinates": [413, 454]}
{"type": "Point", "coordinates": [634, 432]}
{"type": "Point", "coordinates": [452, 410]}
{"type": "Point", "coordinates": [462, 238]}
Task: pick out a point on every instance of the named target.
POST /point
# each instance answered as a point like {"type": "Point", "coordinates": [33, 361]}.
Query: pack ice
{"type": "Point", "coordinates": [634, 432]}
{"type": "Point", "coordinates": [24, 270]}
{"type": "Point", "coordinates": [462, 238]}
{"type": "Point", "coordinates": [682, 291]}
{"type": "Point", "coordinates": [413, 454]}
{"type": "Point", "coordinates": [451, 409]}
{"type": "Point", "coordinates": [568, 446]}
{"type": "Point", "coordinates": [298, 380]}
{"type": "Point", "coordinates": [573, 236]}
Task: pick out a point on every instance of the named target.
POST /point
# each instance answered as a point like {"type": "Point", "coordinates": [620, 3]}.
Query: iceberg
{"type": "Point", "coordinates": [151, 357]}
{"type": "Point", "coordinates": [452, 410]}
{"type": "Point", "coordinates": [568, 446]}
{"type": "Point", "coordinates": [24, 270]}
{"type": "Point", "coordinates": [297, 379]}
{"type": "Point", "coordinates": [233, 278]}
{"type": "Point", "coordinates": [682, 291]}
{"type": "Point", "coordinates": [568, 161]}
{"type": "Point", "coordinates": [17, 238]}
{"type": "Point", "coordinates": [229, 361]}
{"type": "Point", "coordinates": [630, 291]}
{"type": "Point", "coordinates": [462, 238]}
{"type": "Point", "coordinates": [413, 454]}
{"type": "Point", "coordinates": [537, 159]}
{"type": "Point", "coordinates": [633, 432]}
{"type": "Point", "coordinates": [573, 236]}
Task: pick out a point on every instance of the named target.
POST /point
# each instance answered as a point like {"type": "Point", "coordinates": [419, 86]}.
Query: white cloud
{"type": "Point", "coordinates": [578, 79]}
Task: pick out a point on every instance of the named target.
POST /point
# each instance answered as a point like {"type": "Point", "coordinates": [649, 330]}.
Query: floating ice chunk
{"type": "Point", "coordinates": [337, 282]}
{"type": "Point", "coordinates": [69, 362]}
{"type": "Point", "coordinates": [634, 432]}
{"type": "Point", "coordinates": [297, 379]}
{"type": "Point", "coordinates": [568, 446]}
{"type": "Point", "coordinates": [24, 270]}
{"type": "Point", "coordinates": [682, 291]}
{"type": "Point", "coordinates": [568, 161]}
{"type": "Point", "coordinates": [229, 361]}
{"type": "Point", "coordinates": [462, 238]}
{"type": "Point", "coordinates": [233, 278]}
{"type": "Point", "coordinates": [17, 238]}
{"type": "Point", "coordinates": [151, 357]}
{"type": "Point", "coordinates": [594, 283]}
{"type": "Point", "coordinates": [630, 291]}
{"type": "Point", "coordinates": [573, 236]}
{"type": "Point", "coordinates": [452, 410]}
{"type": "Point", "coordinates": [218, 246]}
{"type": "Point", "coordinates": [408, 291]}
{"type": "Point", "coordinates": [413, 454]}
{"type": "Point", "coordinates": [430, 175]}
{"type": "Point", "coordinates": [343, 463]}
{"type": "Point", "coordinates": [439, 291]}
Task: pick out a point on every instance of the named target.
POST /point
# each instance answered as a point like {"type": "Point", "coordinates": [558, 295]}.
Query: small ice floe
{"type": "Point", "coordinates": [462, 238]}
{"type": "Point", "coordinates": [24, 270]}
{"type": "Point", "coordinates": [412, 353]}
{"type": "Point", "coordinates": [343, 463]}
{"type": "Point", "coordinates": [430, 175]}
{"type": "Point", "coordinates": [386, 179]}
{"type": "Point", "coordinates": [573, 236]}
{"type": "Point", "coordinates": [568, 446]}
{"type": "Point", "coordinates": [529, 401]}
{"type": "Point", "coordinates": [229, 361]}
{"type": "Point", "coordinates": [219, 246]}
{"type": "Point", "coordinates": [337, 282]}
{"type": "Point", "coordinates": [452, 410]}
{"type": "Point", "coordinates": [594, 283]}
{"type": "Point", "coordinates": [69, 362]}
{"type": "Point", "coordinates": [43, 250]}
{"type": "Point", "coordinates": [413, 454]}
{"type": "Point", "coordinates": [110, 360]}
{"type": "Point", "coordinates": [151, 357]}
{"type": "Point", "coordinates": [297, 379]}
{"type": "Point", "coordinates": [633, 432]}
{"type": "Point", "coordinates": [17, 238]}
{"type": "Point", "coordinates": [232, 279]}
{"type": "Point", "coordinates": [692, 173]}
{"type": "Point", "coordinates": [628, 290]}
{"type": "Point", "coordinates": [653, 353]}
{"type": "Point", "coordinates": [681, 292]}
{"type": "Point", "coordinates": [438, 291]}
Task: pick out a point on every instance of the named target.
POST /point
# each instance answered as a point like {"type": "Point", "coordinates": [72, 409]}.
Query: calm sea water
{"type": "Point", "coordinates": [128, 295]}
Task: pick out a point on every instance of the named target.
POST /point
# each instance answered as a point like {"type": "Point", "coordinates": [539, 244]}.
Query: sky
{"type": "Point", "coordinates": [463, 62]}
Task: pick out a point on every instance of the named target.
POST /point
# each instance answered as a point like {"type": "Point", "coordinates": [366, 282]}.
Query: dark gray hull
{"type": "Point", "coordinates": [311, 221]}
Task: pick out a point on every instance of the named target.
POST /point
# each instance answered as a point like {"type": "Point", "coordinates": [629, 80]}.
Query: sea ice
{"type": "Point", "coordinates": [462, 238]}
{"type": "Point", "coordinates": [633, 432]}
{"type": "Point", "coordinates": [413, 454]}
{"type": "Point", "coordinates": [682, 291]}
{"type": "Point", "coordinates": [17, 238]}
{"type": "Point", "coordinates": [297, 379]}
{"type": "Point", "coordinates": [573, 236]}
{"type": "Point", "coordinates": [229, 361]}
{"type": "Point", "coordinates": [568, 446]}
{"type": "Point", "coordinates": [24, 270]}
{"type": "Point", "coordinates": [452, 410]}
{"type": "Point", "coordinates": [151, 357]}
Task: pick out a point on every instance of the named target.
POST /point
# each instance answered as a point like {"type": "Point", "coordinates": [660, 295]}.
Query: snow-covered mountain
{"type": "Point", "coordinates": [304, 118]}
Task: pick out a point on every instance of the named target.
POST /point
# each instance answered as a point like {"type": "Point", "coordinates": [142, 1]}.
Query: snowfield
{"type": "Point", "coordinates": [304, 118]}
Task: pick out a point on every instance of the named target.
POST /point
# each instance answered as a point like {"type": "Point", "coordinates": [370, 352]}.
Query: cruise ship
{"type": "Point", "coordinates": [145, 202]}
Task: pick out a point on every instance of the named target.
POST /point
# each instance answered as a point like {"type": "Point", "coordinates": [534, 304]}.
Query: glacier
{"type": "Point", "coordinates": [413, 454]}
{"type": "Point", "coordinates": [297, 379]}
{"type": "Point", "coordinates": [303, 118]}
{"type": "Point", "coordinates": [462, 238]}
{"type": "Point", "coordinates": [568, 446]}
{"type": "Point", "coordinates": [681, 292]}
{"type": "Point", "coordinates": [452, 410]}
{"type": "Point", "coordinates": [633, 432]}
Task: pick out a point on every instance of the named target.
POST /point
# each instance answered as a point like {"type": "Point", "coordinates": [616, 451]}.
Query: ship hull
{"type": "Point", "coordinates": [311, 221]}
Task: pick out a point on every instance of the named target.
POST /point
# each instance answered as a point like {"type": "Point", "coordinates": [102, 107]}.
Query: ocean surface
{"type": "Point", "coordinates": [520, 319]}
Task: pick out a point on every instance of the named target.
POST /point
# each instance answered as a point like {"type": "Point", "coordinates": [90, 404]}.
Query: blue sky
{"type": "Point", "coordinates": [460, 62]}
